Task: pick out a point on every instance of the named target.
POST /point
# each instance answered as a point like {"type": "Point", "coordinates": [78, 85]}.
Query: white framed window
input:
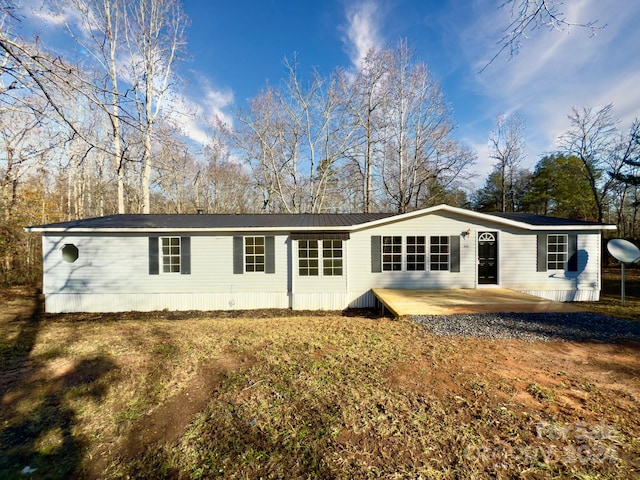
{"type": "Point", "coordinates": [416, 251]}
{"type": "Point", "coordinates": [439, 253]}
{"type": "Point", "coordinates": [332, 257]}
{"type": "Point", "coordinates": [557, 251]}
{"type": "Point", "coordinates": [170, 254]}
{"type": "Point", "coordinates": [315, 253]}
{"type": "Point", "coordinates": [254, 254]}
{"type": "Point", "coordinates": [391, 254]}
{"type": "Point", "coordinates": [308, 261]}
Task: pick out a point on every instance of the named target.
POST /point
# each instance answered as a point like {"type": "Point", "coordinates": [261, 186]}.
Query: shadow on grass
{"type": "Point", "coordinates": [370, 313]}
{"type": "Point", "coordinates": [37, 439]}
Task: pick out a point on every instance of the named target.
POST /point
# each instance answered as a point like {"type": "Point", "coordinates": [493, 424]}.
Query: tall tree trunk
{"type": "Point", "coordinates": [368, 183]}
{"type": "Point", "coordinates": [146, 172]}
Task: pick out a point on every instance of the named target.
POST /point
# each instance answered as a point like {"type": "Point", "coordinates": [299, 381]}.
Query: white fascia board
{"type": "Point", "coordinates": [283, 230]}
{"type": "Point", "coordinates": [441, 208]}
{"type": "Point", "coordinates": [571, 227]}
{"type": "Point", "coordinates": [479, 216]}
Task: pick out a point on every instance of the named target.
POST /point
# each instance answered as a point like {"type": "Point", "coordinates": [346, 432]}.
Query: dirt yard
{"type": "Point", "coordinates": [280, 394]}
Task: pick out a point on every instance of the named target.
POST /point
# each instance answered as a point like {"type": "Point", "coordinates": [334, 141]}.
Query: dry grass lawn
{"type": "Point", "coordinates": [298, 395]}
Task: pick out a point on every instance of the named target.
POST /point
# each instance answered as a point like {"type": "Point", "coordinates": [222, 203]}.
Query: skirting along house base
{"type": "Point", "coordinates": [310, 261]}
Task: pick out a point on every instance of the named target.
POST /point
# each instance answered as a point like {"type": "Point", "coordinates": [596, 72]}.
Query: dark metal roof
{"type": "Point", "coordinates": [541, 220]}
{"type": "Point", "coordinates": [293, 222]}
{"type": "Point", "coordinates": [219, 221]}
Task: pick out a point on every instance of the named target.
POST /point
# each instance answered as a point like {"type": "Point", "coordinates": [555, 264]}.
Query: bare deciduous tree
{"type": "Point", "coordinates": [324, 130]}
{"type": "Point", "coordinates": [329, 144]}
{"type": "Point", "coordinates": [364, 99]}
{"type": "Point", "coordinates": [594, 139]}
{"type": "Point", "coordinates": [527, 16]}
{"type": "Point", "coordinates": [154, 31]}
{"type": "Point", "coordinates": [293, 138]}
{"type": "Point", "coordinates": [507, 147]}
{"type": "Point", "coordinates": [416, 134]}
{"type": "Point", "coordinates": [96, 30]}
{"type": "Point", "coordinates": [224, 185]}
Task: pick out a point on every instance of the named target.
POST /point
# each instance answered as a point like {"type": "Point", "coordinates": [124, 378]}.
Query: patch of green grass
{"type": "Point", "coordinates": [164, 349]}
{"type": "Point", "coordinates": [133, 411]}
{"type": "Point", "coordinates": [541, 393]}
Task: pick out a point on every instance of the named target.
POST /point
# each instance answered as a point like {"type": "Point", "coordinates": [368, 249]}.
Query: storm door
{"type": "Point", "coordinates": [487, 258]}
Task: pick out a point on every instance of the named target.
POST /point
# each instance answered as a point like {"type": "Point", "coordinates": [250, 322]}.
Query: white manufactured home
{"type": "Point", "coordinates": [310, 261]}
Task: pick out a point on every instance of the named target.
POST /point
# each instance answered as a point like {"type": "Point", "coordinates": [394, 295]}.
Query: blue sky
{"type": "Point", "coordinates": [237, 46]}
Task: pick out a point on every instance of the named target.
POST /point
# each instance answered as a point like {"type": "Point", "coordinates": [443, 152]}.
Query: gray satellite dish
{"type": "Point", "coordinates": [624, 252]}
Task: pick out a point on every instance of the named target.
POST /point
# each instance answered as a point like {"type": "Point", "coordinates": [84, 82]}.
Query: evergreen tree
{"type": "Point", "coordinates": [560, 188]}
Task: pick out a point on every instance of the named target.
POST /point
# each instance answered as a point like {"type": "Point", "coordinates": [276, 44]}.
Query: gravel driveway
{"type": "Point", "coordinates": [533, 327]}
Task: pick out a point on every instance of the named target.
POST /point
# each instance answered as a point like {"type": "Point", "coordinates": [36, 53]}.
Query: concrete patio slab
{"type": "Point", "coordinates": [448, 302]}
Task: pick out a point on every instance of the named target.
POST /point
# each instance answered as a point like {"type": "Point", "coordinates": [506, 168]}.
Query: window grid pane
{"type": "Point", "coordinates": [439, 253]}
{"type": "Point", "coordinates": [415, 253]}
{"type": "Point", "coordinates": [308, 258]}
{"type": "Point", "coordinates": [254, 254]}
{"type": "Point", "coordinates": [391, 253]}
{"type": "Point", "coordinates": [557, 251]}
{"type": "Point", "coordinates": [170, 254]}
{"type": "Point", "coordinates": [332, 257]}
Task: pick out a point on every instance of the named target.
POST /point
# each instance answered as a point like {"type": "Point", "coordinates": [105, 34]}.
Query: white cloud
{"type": "Point", "coordinates": [625, 96]}
{"type": "Point", "coordinates": [484, 164]}
{"type": "Point", "coordinates": [203, 103]}
{"type": "Point", "coordinates": [556, 70]}
{"type": "Point", "coordinates": [46, 17]}
{"type": "Point", "coordinates": [362, 32]}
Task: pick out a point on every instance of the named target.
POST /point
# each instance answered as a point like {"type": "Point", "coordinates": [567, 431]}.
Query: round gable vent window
{"type": "Point", "coordinates": [69, 253]}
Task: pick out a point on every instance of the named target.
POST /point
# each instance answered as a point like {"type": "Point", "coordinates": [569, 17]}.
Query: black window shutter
{"type": "Point", "coordinates": [269, 255]}
{"type": "Point", "coordinates": [542, 253]}
{"type": "Point", "coordinates": [454, 255]}
{"type": "Point", "coordinates": [238, 255]}
{"type": "Point", "coordinates": [185, 255]}
{"type": "Point", "coordinates": [153, 256]}
{"type": "Point", "coordinates": [376, 253]}
{"type": "Point", "coordinates": [572, 253]}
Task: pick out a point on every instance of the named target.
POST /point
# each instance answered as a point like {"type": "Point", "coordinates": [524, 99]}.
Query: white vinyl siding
{"type": "Point", "coordinates": [518, 267]}
{"type": "Point", "coordinates": [114, 276]}
{"type": "Point", "coordinates": [112, 271]}
{"type": "Point", "coordinates": [360, 265]}
{"type": "Point", "coordinates": [517, 263]}
{"type": "Point", "coordinates": [147, 302]}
